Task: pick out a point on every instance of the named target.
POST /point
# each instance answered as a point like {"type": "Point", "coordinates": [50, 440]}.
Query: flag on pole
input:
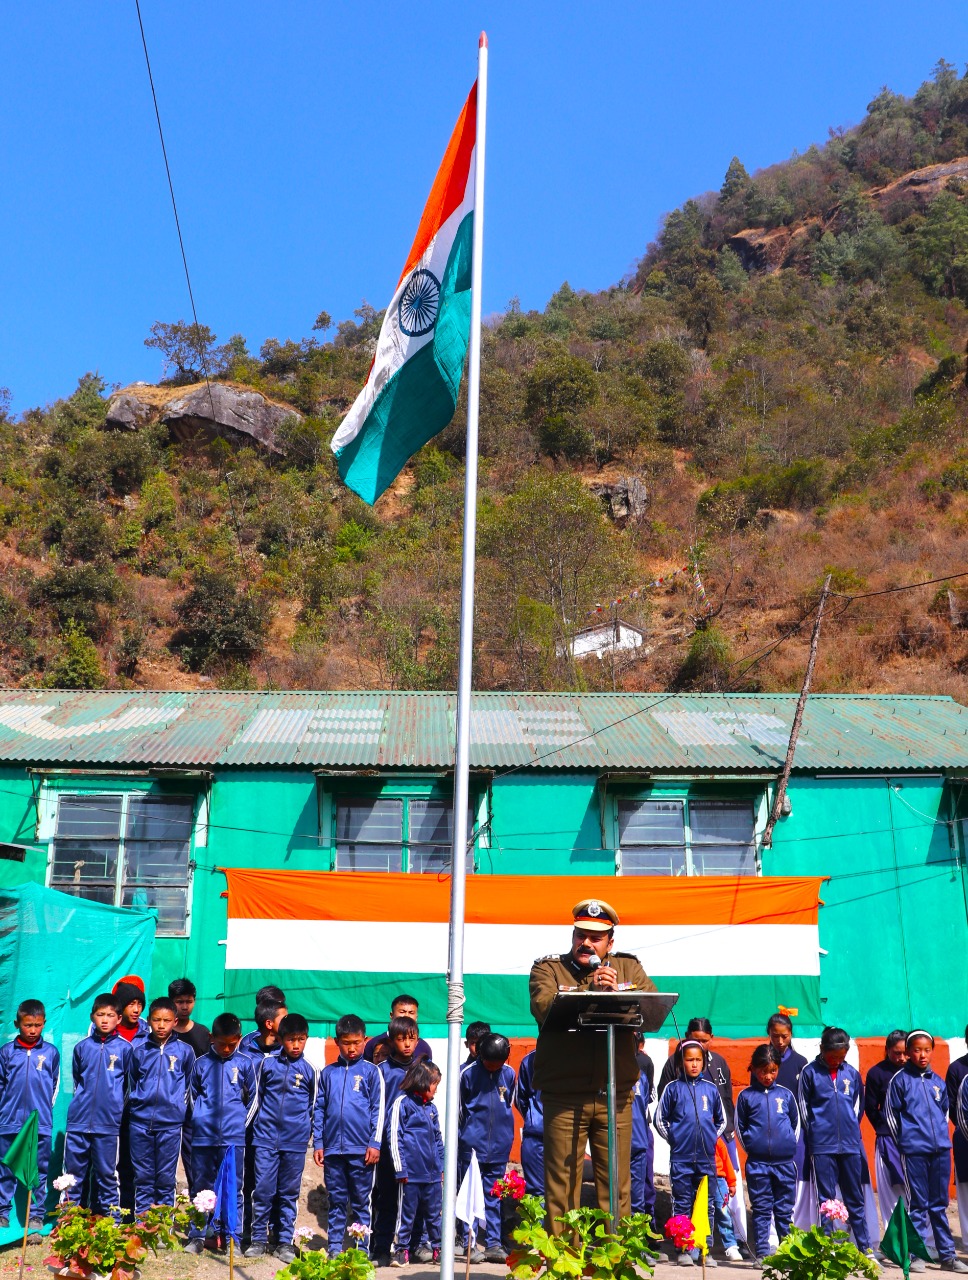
{"type": "Point", "coordinates": [901, 1239]}
{"type": "Point", "coordinates": [21, 1157]}
{"type": "Point", "coordinates": [412, 388]}
{"type": "Point", "coordinates": [225, 1215]}
{"type": "Point", "coordinates": [470, 1197]}
{"type": "Point", "coordinates": [700, 1217]}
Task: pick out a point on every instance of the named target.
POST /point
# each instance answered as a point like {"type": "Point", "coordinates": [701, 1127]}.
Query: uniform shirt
{"type": "Point", "coordinates": [831, 1104]}
{"type": "Point", "coordinates": [100, 1069]}
{"type": "Point", "coordinates": [350, 1108]}
{"type": "Point", "coordinates": [572, 1063]}
{"type": "Point", "coordinates": [286, 1091]}
{"type": "Point", "coordinates": [29, 1079]}
{"type": "Point", "coordinates": [768, 1122]}
{"type": "Point", "coordinates": [527, 1099]}
{"type": "Point", "coordinates": [199, 1038]}
{"type": "Point", "coordinates": [875, 1091]}
{"type": "Point", "coordinates": [916, 1110]}
{"type": "Point", "coordinates": [690, 1116]}
{"type": "Point", "coordinates": [416, 1144]}
{"type": "Point", "coordinates": [158, 1080]}
{"type": "Point", "coordinates": [716, 1070]}
{"type": "Point", "coordinates": [791, 1064]}
{"type": "Point", "coordinates": [423, 1049]}
{"type": "Point", "coordinates": [642, 1097]}
{"type": "Point", "coordinates": [484, 1121]}
{"type": "Point", "coordinates": [222, 1099]}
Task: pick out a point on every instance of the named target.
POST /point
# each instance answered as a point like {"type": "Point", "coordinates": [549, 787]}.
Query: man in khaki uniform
{"type": "Point", "coordinates": [570, 1066]}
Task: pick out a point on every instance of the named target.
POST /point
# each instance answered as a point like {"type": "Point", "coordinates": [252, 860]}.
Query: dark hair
{"type": "Point", "coordinates": [293, 1024]}
{"type": "Point", "coordinates": [763, 1055]}
{"type": "Point", "coordinates": [699, 1024]}
{"type": "Point", "coordinates": [404, 999]}
{"type": "Point", "coordinates": [420, 1076]}
{"type": "Point", "coordinates": [919, 1034]}
{"type": "Point", "coordinates": [266, 1012]}
{"type": "Point", "coordinates": [181, 987]}
{"type": "Point", "coordinates": [350, 1025]}
{"type": "Point", "coordinates": [399, 1025]}
{"type": "Point", "coordinates": [834, 1038]}
{"type": "Point", "coordinates": [226, 1024]}
{"type": "Point", "coordinates": [161, 1003]}
{"type": "Point", "coordinates": [493, 1048]}
{"type": "Point", "coordinates": [475, 1030]}
{"type": "Point", "coordinates": [677, 1057]}
{"type": "Point", "coordinates": [778, 1020]}
{"type": "Point", "coordinates": [31, 1009]}
{"type": "Point", "coordinates": [270, 994]}
{"type": "Point", "coordinates": [895, 1037]}
{"type": "Point", "coordinates": [106, 1000]}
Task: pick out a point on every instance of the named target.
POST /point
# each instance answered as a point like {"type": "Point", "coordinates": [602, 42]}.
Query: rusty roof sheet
{"type": "Point", "coordinates": [674, 733]}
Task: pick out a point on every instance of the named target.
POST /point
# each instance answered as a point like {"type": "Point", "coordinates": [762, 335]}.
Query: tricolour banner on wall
{"type": "Point", "coordinates": [336, 942]}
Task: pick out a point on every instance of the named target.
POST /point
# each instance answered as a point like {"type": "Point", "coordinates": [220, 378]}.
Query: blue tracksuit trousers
{"type": "Point", "coordinates": [773, 1191]}
{"type": "Point", "coordinates": [154, 1156]}
{"type": "Point", "coordinates": [532, 1165]}
{"type": "Point", "coordinates": [277, 1178]}
{"type": "Point", "coordinates": [643, 1177]}
{"type": "Point", "coordinates": [685, 1176]}
{"type": "Point", "coordinates": [349, 1184]}
{"type": "Point", "coordinates": [384, 1205]}
{"type": "Point", "coordinates": [847, 1171]}
{"type": "Point", "coordinates": [491, 1172]}
{"type": "Point", "coordinates": [8, 1183]}
{"type": "Point", "coordinates": [205, 1166]}
{"type": "Point", "coordinates": [413, 1198]}
{"type": "Point", "coordinates": [93, 1156]}
{"type": "Point", "coordinates": [927, 1179]}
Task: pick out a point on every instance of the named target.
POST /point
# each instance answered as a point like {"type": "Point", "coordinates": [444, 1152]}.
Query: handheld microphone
{"type": "Point", "coordinates": [594, 961]}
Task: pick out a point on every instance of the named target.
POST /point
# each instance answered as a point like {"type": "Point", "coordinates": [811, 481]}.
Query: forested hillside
{"type": "Point", "coordinates": [779, 385]}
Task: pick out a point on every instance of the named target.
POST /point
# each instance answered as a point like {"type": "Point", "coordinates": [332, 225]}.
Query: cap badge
{"type": "Point", "coordinates": [593, 909]}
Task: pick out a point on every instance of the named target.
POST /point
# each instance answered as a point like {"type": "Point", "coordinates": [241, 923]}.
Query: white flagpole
{"type": "Point", "coordinates": [455, 962]}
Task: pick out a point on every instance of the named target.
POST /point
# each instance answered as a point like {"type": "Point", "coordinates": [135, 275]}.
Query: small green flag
{"type": "Point", "coordinates": [901, 1239]}
{"type": "Point", "coordinates": [21, 1158]}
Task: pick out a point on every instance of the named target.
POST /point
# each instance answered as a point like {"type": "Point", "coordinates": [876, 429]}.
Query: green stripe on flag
{"type": "Point", "coordinates": [420, 399]}
{"type": "Point", "coordinates": [737, 1006]}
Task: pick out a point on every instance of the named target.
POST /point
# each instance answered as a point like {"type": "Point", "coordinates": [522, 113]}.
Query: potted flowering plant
{"type": "Point", "coordinates": [312, 1264]}
{"type": "Point", "coordinates": [88, 1245]}
{"type": "Point", "coordinates": [586, 1247]}
{"type": "Point", "coordinates": [821, 1252]}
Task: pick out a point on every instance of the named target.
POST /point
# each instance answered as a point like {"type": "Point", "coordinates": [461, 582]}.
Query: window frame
{"type": "Point", "coordinates": [688, 795]}
{"type": "Point", "coordinates": [127, 789]}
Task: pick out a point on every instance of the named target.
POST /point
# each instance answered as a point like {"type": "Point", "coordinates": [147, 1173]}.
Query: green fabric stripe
{"type": "Point", "coordinates": [419, 400]}
{"type": "Point", "coordinates": [737, 1007]}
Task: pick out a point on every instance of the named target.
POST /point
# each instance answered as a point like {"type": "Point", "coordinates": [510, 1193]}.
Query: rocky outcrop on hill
{"type": "Point", "coordinates": [769, 248]}
{"type": "Point", "coordinates": [924, 184]}
{"type": "Point", "coordinates": [222, 409]}
{"type": "Point", "coordinates": [626, 498]}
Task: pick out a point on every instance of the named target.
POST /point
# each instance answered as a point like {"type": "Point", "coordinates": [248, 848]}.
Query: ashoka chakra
{"type": "Point", "coordinates": [419, 303]}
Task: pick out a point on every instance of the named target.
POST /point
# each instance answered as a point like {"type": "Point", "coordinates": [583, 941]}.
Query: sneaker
{"type": "Point", "coordinates": [285, 1253]}
{"type": "Point", "coordinates": [495, 1254]}
{"type": "Point", "coordinates": [733, 1254]}
{"type": "Point", "coordinates": [951, 1264]}
{"type": "Point", "coordinates": [4, 1221]}
{"type": "Point", "coordinates": [711, 1261]}
{"type": "Point", "coordinates": [256, 1249]}
{"type": "Point", "coordinates": [195, 1246]}
{"type": "Point", "coordinates": [401, 1259]}
{"type": "Point", "coordinates": [477, 1255]}
{"type": "Point", "coordinates": [916, 1264]}
{"type": "Point", "coordinates": [685, 1260]}
{"type": "Point", "coordinates": [424, 1254]}
{"type": "Point", "coordinates": [381, 1259]}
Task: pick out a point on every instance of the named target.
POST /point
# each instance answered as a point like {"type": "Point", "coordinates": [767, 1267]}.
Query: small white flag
{"type": "Point", "coordinates": [470, 1197]}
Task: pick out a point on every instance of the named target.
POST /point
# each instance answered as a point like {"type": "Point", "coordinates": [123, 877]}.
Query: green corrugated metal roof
{"type": "Point", "coordinates": [665, 733]}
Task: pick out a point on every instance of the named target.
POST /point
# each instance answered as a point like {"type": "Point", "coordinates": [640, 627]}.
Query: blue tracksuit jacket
{"type": "Point", "coordinates": [349, 1111]}
{"type": "Point", "coordinates": [416, 1144]}
{"type": "Point", "coordinates": [158, 1081]}
{"type": "Point", "coordinates": [768, 1123]}
{"type": "Point", "coordinates": [392, 1073]}
{"type": "Point", "coordinates": [916, 1110]}
{"type": "Point", "coordinates": [29, 1079]}
{"type": "Point", "coordinates": [681, 1103]}
{"type": "Point", "coordinates": [875, 1091]}
{"type": "Point", "coordinates": [286, 1093]}
{"type": "Point", "coordinates": [484, 1121]}
{"type": "Point", "coordinates": [830, 1110]}
{"type": "Point", "coordinates": [251, 1045]}
{"type": "Point", "coordinates": [100, 1070]}
{"type": "Point", "coordinates": [527, 1099]}
{"type": "Point", "coordinates": [791, 1064]}
{"type": "Point", "coordinates": [642, 1097]}
{"type": "Point", "coordinates": [222, 1097]}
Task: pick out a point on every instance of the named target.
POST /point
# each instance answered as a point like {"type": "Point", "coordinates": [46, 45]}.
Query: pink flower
{"type": "Point", "coordinates": [205, 1201]}
{"type": "Point", "coordinates": [836, 1210]}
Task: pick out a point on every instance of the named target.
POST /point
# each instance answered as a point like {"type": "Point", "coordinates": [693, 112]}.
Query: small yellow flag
{"type": "Point", "coordinates": [700, 1217]}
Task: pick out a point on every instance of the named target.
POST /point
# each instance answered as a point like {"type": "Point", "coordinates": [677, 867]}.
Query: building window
{"type": "Point", "coordinates": [688, 837]}
{"type": "Point", "coordinates": [396, 833]}
{"type": "Point", "coordinates": [126, 850]}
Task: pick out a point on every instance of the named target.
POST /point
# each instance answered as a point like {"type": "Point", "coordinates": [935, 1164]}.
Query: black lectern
{"type": "Point", "coordinates": [593, 1012]}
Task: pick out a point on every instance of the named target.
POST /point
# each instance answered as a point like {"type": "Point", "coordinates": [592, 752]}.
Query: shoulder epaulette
{"type": "Point", "coordinates": [624, 955]}
{"type": "Point", "coordinates": [554, 956]}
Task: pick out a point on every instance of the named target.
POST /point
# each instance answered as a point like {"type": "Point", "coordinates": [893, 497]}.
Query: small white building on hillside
{"type": "Point", "coordinates": [613, 636]}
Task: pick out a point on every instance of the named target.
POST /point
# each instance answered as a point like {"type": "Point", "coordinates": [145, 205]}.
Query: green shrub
{"type": "Point", "coordinates": [75, 663]}
{"type": "Point", "coordinates": [79, 593]}
{"type": "Point", "coordinates": [219, 620]}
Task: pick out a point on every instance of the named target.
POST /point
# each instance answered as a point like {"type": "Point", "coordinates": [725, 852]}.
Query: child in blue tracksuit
{"type": "Point", "coordinates": [403, 1037]}
{"type": "Point", "coordinates": [286, 1088]}
{"type": "Point", "coordinates": [527, 1100]}
{"type": "Point", "coordinates": [691, 1117]}
{"type": "Point", "coordinates": [485, 1125]}
{"type": "Point", "coordinates": [916, 1110]}
{"type": "Point", "coordinates": [222, 1098]}
{"type": "Point", "coordinates": [100, 1070]}
{"type": "Point", "coordinates": [418, 1158]}
{"type": "Point", "coordinates": [159, 1072]}
{"type": "Point", "coordinates": [348, 1129]}
{"type": "Point", "coordinates": [831, 1103]}
{"type": "Point", "coordinates": [643, 1143]}
{"type": "Point", "coordinates": [29, 1078]}
{"type": "Point", "coordinates": [768, 1124]}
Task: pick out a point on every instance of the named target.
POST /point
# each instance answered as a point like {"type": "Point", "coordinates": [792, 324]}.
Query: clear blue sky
{"type": "Point", "coordinates": [304, 136]}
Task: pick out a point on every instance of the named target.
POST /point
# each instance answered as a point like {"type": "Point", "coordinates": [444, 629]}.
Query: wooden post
{"type": "Point", "coordinates": [231, 1257]}
{"type": "Point", "coordinates": [467, 1265]}
{"type": "Point", "coordinates": [23, 1250]}
{"type": "Point", "coordinates": [797, 720]}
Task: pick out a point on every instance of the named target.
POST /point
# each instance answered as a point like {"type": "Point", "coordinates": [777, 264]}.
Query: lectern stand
{"type": "Point", "coordinates": [595, 1012]}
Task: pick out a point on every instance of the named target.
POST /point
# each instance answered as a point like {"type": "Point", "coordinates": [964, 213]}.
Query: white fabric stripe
{"type": "Point", "coordinates": [742, 950]}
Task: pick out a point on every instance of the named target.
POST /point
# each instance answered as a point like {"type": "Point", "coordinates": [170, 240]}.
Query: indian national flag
{"type": "Point", "coordinates": [414, 381]}
{"type": "Point", "coordinates": [338, 942]}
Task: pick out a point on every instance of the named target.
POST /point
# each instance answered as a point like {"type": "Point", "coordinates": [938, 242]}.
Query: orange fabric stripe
{"type": "Point", "coordinates": [450, 183]}
{"type": "Point", "coordinates": [717, 900]}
